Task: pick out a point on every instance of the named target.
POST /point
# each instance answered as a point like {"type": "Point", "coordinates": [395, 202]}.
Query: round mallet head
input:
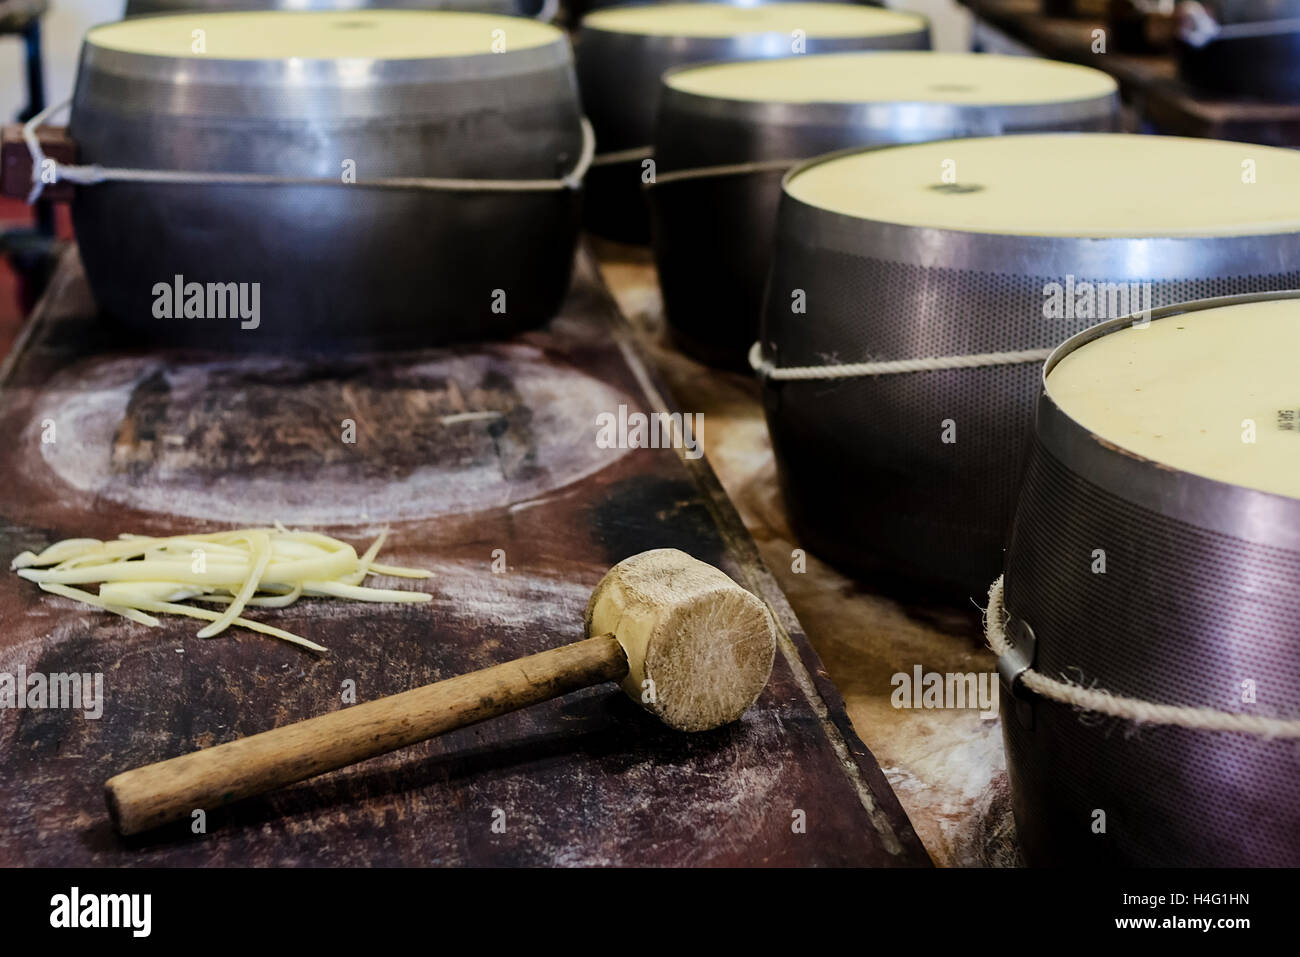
{"type": "Point", "coordinates": [704, 644]}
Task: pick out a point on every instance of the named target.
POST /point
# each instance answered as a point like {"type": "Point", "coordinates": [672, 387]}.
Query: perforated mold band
{"type": "Point", "coordinates": [1181, 615]}
{"type": "Point", "coordinates": [867, 474]}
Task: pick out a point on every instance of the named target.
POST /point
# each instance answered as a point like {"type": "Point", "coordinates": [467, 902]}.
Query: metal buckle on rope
{"type": "Point", "coordinates": [1012, 665]}
{"type": "Point", "coordinates": [1019, 658]}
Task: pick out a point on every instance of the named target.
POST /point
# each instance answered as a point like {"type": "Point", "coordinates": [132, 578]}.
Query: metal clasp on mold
{"type": "Point", "coordinates": [1018, 659]}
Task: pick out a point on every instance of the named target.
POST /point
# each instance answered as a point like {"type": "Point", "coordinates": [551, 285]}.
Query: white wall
{"type": "Point", "coordinates": [67, 20]}
{"type": "Point", "coordinates": [949, 23]}
{"type": "Point", "coordinates": [61, 28]}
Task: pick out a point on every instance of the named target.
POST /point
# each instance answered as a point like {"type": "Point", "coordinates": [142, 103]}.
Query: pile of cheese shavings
{"type": "Point", "coordinates": [247, 567]}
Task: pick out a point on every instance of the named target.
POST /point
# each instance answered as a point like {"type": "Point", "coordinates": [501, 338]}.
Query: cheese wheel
{"type": "Point", "coordinates": [1214, 393]}
{"type": "Point", "coordinates": [718, 20]}
{"type": "Point", "coordinates": [969, 79]}
{"type": "Point", "coordinates": [320, 35]}
{"type": "Point", "coordinates": [375, 94]}
{"type": "Point", "coordinates": [1085, 185]}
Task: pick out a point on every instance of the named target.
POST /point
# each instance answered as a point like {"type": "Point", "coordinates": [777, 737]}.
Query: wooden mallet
{"type": "Point", "coordinates": [686, 642]}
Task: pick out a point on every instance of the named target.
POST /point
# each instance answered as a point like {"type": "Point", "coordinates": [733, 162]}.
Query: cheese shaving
{"type": "Point", "coordinates": [243, 568]}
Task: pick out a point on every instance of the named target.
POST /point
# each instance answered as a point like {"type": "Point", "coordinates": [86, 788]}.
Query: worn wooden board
{"type": "Point", "coordinates": [460, 453]}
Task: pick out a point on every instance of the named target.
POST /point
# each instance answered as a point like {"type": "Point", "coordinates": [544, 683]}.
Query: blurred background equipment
{"type": "Point", "coordinates": [1245, 48]}
{"type": "Point", "coordinates": [1233, 79]}
{"type": "Point", "coordinates": [26, 238]}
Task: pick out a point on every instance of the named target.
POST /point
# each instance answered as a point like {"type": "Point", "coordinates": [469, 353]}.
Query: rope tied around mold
{"type": "Point", "coordinates": [724, 170]}
{"type": "Point", "coordinates": [852, 370]}
{"type": "Point", "coordinates": [1134, 710]}
{"type": "Point", "coordinates": [94, 174]}
{"type": "Point", "coordinates": [614, 157]}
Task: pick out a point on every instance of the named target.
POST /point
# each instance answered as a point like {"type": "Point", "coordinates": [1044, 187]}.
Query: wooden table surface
{"type": "Point", "coordinates": [947, 766]}
{"type": "Point", "coordinates": [1148, 82]}
{"type": "Point", "coordinates": [103, 438]}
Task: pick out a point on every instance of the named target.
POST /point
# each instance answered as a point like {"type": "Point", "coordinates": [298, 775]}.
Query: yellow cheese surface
{"type": "Point", "coordinates": [724, 20]}
{"type": "Point", "coordinates": [908, 76]}
{"type": "Point", "coordinates": [359, 34]}
{"type": "Point", "coordinates": [1190, 392]}
{"type": "Point", "coordinates": [1086, 184]}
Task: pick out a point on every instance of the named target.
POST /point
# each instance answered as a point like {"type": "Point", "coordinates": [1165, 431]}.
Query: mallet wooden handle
{"type": "Point", "coordinates": [158, 793]}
